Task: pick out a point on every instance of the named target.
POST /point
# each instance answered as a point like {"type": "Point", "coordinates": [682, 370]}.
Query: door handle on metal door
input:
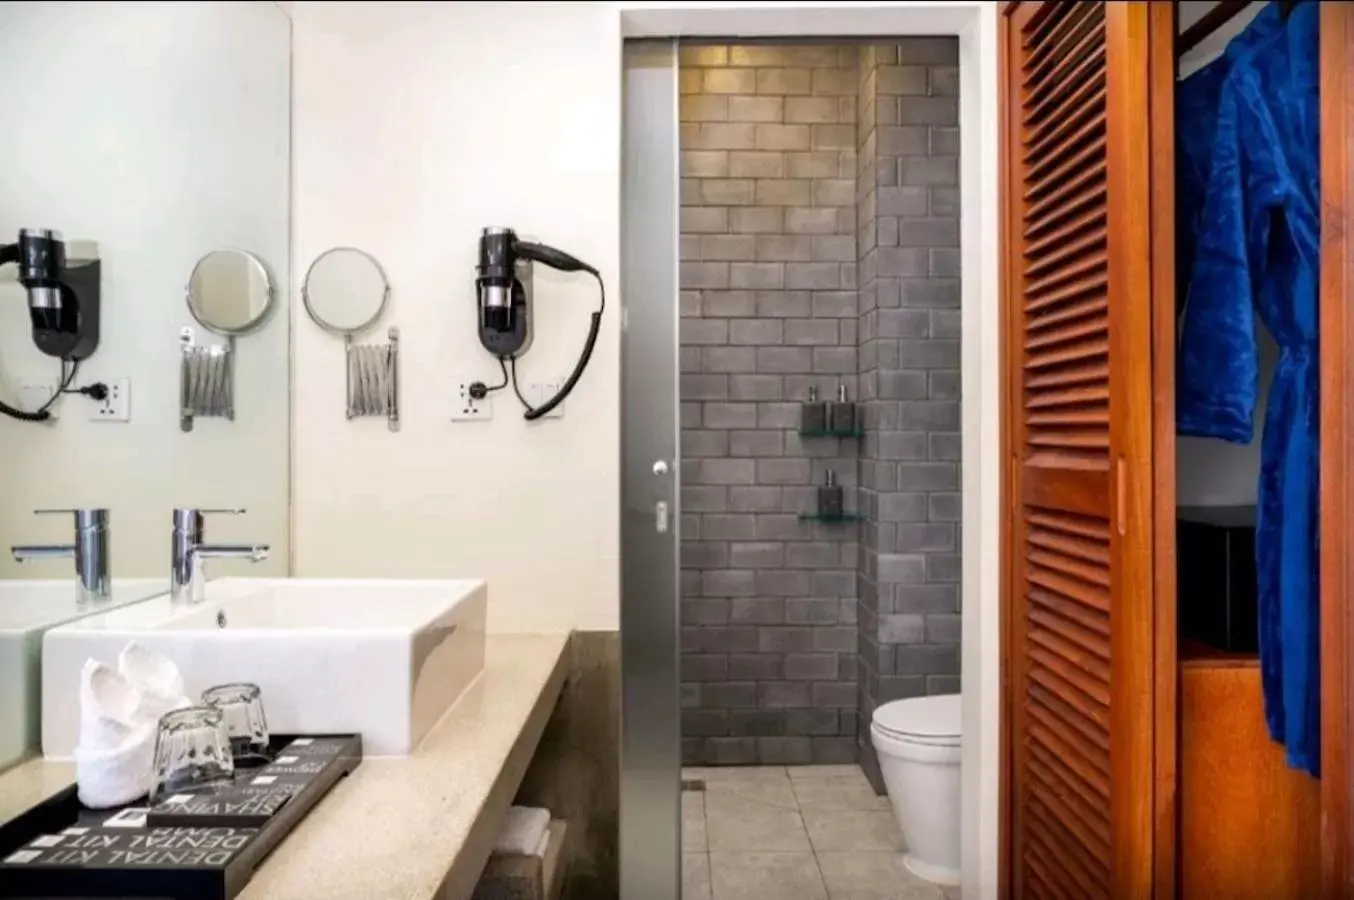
{"type": "Point", "coordinates": [660, 509]}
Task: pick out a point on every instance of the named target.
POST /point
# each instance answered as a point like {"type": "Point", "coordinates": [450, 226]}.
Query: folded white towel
{"type": "Point", "coordinates": [543, 845]}
{"type": "Point", "coordinates": [522, 831]}
{"type": "Point", "coordinates": [156, 678]}
{"type": "Point", "coordinates": [120, 710]}
{"type": "Point", "coordinates": [116, 753]}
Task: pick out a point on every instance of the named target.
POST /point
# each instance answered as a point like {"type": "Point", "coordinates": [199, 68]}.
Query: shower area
{"type": "Point", "coordinates": [819, 256]}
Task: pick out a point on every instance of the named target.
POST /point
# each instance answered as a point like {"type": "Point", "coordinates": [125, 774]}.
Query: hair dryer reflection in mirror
{"type": "Point", "coordinates": [63, 298]}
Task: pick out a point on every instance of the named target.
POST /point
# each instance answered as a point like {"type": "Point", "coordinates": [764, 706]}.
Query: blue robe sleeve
{"type": "Point", "coordinates": [1218, 362]}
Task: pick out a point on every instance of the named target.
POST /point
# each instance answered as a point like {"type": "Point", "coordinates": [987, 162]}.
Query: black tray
{"type": "Point", "coordinates": [200, 846]}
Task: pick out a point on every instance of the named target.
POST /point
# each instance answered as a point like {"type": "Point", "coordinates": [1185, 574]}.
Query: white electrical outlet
{"type": "Point", "coordinates": [466, 408]}
{"type": "Point", "coordinates": [34, 393]}
{"type": "Point", "coordinates": [117, 406]}
{"type": "Point", "coordinates": [539, 393]}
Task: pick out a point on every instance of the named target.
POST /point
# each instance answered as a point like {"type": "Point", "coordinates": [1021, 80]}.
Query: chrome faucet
{"type": "Point", "coordinates": [90, 551]}
{"type": "Point", "coordinates": [187, 580]}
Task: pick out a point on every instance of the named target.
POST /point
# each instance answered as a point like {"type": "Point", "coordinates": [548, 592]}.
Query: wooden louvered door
{"type": "Point", "coordinates": [1077, 339]}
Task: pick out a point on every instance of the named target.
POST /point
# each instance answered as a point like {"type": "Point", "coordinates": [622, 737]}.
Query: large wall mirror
{"type": "Point", "coordinates": [151, 135]}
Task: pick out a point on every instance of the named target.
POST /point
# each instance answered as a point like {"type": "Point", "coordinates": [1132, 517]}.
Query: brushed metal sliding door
{"type": "Point", "coordinates": [650, 809]}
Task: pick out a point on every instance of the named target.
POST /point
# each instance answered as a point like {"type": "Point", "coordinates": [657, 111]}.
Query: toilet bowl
{"type": "Point", "coordinates": [918, 744]}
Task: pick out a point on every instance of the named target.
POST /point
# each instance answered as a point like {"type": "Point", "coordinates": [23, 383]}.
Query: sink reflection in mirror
{"type": "Point", "coordinates": [385, 658]}
{"type": "Point", "coordinates": [28, 608]}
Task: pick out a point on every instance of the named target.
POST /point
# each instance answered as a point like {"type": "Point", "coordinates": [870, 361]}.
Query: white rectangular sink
{"type": "Point", "coordinates": [27, 609]}
{"type": "Point", "coordinates": [381, 657]}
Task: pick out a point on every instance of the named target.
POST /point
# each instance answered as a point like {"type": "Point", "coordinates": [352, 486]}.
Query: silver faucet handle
{"type": "Point", "coordinates": [94, 517]}
{"type": "Point", "coordinates": [188, 517]}
{"type": "Point", "coordinates": [189, 520]}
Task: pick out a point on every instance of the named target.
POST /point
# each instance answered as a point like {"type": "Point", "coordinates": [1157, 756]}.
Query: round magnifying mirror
{"type": "Point", "coordinates": [230, 292]}
{"type": "Point", "coordinates": [345, 290]}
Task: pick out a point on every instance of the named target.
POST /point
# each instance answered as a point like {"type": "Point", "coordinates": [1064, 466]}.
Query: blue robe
{"type": "Point", "coordinates": [1257, 251]}
{"type": "Point", "coordinates": [1196, 111]}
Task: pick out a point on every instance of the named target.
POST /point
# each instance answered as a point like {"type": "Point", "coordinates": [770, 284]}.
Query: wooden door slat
{"type": "Point", "coordinates": [1089, 572]}
{"type": "Point", "coordinates": [1071, 46]}
{"type": "Point", "coordinates": [1070, 331]}
{"type": "Point", "coordinates": [1089, 177]}
{"type": "Point", "coordinates": [1078, 84]}
{"type": "Point", "coordinates": [1091, 286]}
{"type": "Point", "coordinates": [1093, 374]}
{"type": "Point", "coordinates": [1093, 217]}
{"type": "Point", "coordinates": [1053, 156]}
{"type": "Point", "coordinates": [1050, 681]}
{"type": "Point", "coordinates": [1081, 108]}
{"type": "Point", "coordinates": [1044, 19]}
{"type": "Point", "coordinates": [1055, 836]}
{"type": "Point", "coordinates": [1088, 241]}
{"type": "Point", "coordinates": [1073, 546]}
{"type": "Point", "coordinates": [1087, 809]}
{"type": "Point", "coordinates": [1079, 309]}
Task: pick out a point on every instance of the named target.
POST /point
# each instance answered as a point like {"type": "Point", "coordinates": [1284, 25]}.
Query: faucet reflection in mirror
{"type": "Point", "coordinates": [90, 551]}
{"type": "Point", "coordinates": [189, 551]}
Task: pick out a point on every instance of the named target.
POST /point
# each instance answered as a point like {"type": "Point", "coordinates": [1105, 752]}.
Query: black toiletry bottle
{"type": "Point", "coordinates": [813, 415]}
{"type": "Point", "coordinates": [830, 497]}
{"type": "Point", "coordinates": [842, 414]}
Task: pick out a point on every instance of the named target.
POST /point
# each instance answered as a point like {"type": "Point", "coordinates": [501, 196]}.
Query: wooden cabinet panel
{"type": "Point", "coordinates": [1249, 825]}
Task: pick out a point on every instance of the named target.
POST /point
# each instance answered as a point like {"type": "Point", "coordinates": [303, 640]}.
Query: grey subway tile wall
{"type": "Point", "coordinates": [908, 239]}
{"type": "Point", "coordinates": [819, 200]}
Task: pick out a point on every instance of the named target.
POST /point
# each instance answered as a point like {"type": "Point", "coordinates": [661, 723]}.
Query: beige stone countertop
{"type": "Point", "coordinates": [423, 826]}
{"type": "Point", "coordinates": [400, 828]}
{"type": "Point", "coordinates": [29, 783]}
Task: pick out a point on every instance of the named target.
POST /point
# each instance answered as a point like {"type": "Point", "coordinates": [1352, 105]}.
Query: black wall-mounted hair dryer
{"type": "Point", "coordinates": [63, 299]}
{"type": "Point", "coordinates": [504, 294]}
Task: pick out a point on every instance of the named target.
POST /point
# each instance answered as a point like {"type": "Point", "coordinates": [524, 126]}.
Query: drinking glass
{"type": "Point", "coordinates": [191, 752]}
{"type": "Point", "coordinates": [241, 707]}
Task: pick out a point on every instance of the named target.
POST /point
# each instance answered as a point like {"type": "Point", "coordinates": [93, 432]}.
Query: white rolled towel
{"type": "Point", "coordinates": [523, 831]}
{"type": "Point", "coordinates": [158, 681]}
{"type": "Point", "coordinates": [120, 711]}
{"type": "Point", "coordinates": [116, 752]}
{"type": "Point", "coordinates": [543, 845]}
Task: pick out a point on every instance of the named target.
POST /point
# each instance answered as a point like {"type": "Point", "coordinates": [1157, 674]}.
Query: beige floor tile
{"type": "Point", "coordinates": [766, 876]}
{"type": "Point", "coordinates": [767, 787]}
{"type": "Point", "coordinates": [840, 792]}
{"type": "Point", "coordinates": [736, 824]}
{"type": "Point", "coordinates": [811, 773]}
{"type": "Point", "coordinates": [852, 830]}
{"type": "Point", "coordinates": [695, 876]}
{"type": "Point", "coordinates": [952, 893]}
{"type": "Point", "coordinates": [725, 773]}
{"type": "Point", "coordinates": [872, 876]}
{"type": "Point", "coordinates": [693, 822]}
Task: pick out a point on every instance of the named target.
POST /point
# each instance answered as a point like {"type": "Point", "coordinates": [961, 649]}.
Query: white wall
{"type": "Point", "coordinates": [415, 126]}
{"type": "Point", "coordinates": [161, 132]}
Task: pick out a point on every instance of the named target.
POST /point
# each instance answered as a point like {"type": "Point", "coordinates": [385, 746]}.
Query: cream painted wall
{"type": "Point", "coordinates": [159, 131]}
{"type": "Point", "coordinates": [416, 125]}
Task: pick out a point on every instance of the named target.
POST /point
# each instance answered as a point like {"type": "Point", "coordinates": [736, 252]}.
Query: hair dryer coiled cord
{"type": "Point", "coordinates": [594, 327]}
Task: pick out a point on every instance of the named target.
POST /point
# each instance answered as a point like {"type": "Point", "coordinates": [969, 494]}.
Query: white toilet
{"type": "Point", "coordinates": [918, 744]}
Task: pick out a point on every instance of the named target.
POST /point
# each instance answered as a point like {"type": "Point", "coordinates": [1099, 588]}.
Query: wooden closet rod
{"type": "Point", "coordinates": [1210, 22]}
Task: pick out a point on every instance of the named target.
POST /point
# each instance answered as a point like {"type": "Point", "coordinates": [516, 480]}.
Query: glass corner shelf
{"type": "Point", "coordinates": [825, 517]}
{"type": "Point", "coordinates": [830, 432]}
